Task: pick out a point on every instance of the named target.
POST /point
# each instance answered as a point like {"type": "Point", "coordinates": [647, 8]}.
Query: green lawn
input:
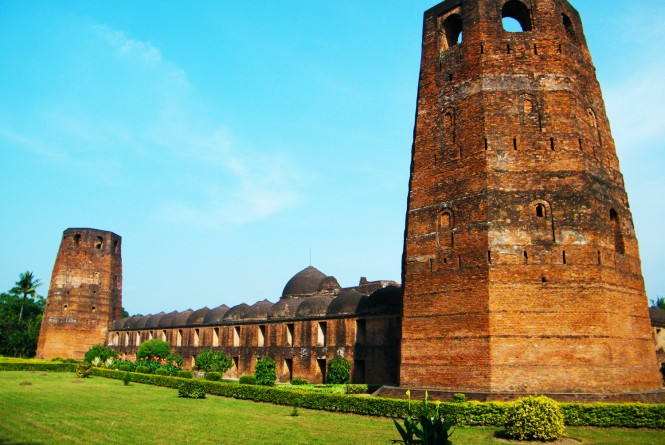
{"type": "Point", "coordinates": [59, 408]}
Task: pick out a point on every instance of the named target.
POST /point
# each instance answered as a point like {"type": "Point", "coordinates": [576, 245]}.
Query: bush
{"type": "Point", "coordinates": [247, 379]}
{"type": "Point", "coordinates": [208, 361]}
{"type": "Point", "coordinates": [266, 372]}
{"type": "Point", "coordinates": [534, 418]}
{"type": "Point", "coordinates": [299, 381]}
{"type": "Point", "coordinates": [185, 374]}
{"type": "Point", "coordinates": [459, 398]}
{"type": "Point", "coordinates": [338, 370]}
{"type": "Point", "coordinates": [161, 371]}
{"type": "Point", "coordinates": [214, 376]}
{"type": "Point", "coordinates": [125, 368]}
{"type": "Point", "coordinates": [101, 351]}
{"type": "Point", "coordinates": [142, 369]}
{"type": "Point", "coordinates": [126, 378]}
{"type": "Point", "coordinates": [355, 389]}
{"type": "Point", "coordinates": [83, 370]}
{"type": "Point", "coordinates": [154, 348]}
{"type": "Point", "coordinates": [191, 390]}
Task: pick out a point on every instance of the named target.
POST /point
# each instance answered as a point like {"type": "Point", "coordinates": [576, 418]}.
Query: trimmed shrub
{"type": "Point", "coordinates": [355, 389]}
{"type": "Point", "coordinates": [142, 369]}
{"type": "Point", "coordinates": [247, 379]}
{"type": "Point", "coordinates": [83, 370]}
{"type": "Point", "coordinates": [191, 390]}
{"type": "Point", "coordinates": [208, 361]}
{"type": "Point", "coordinates": [126, 378]}
{"type": "Point", "coordinates": [185, 374]}
{"type": "Point", "coordinates": [534, 418]}
{"type": "Point", "coordinates": [338, 370]}
{"type": "Point", "coordinates": [266, 372]}
{"type": "Point", "coordinates": [161, 371]}
{"type": "Point", "coordinates": [214, 376]}
{"type": "Point", "coordinates": [154, 348]}
{"type": "Point", "coordinates": [299, 381]}
{"type": "Point", "coordinates": [125, 368]}
{"type": "Point", "coordinates": [459, 398]}
{"type": "Point", "coordinates": [101, 351]}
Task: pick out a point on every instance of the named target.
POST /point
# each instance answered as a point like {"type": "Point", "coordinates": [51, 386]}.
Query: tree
{"type": "Point", "coordinates": [208, 361]}
{"type": "Point", "coordinates": [20, 318]}
{"type": "Point", "coordinates": [659, 302]}
{"type": "Point", "coordinates": [26, 285]}
{"type": "Point", "coordinates": [154, 348]}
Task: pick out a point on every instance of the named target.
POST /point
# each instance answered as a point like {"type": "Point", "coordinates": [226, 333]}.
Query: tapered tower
{"type": "Point", "coordinates": [85, 294]}
{"type": "Point", "coordinates": [521, 268]}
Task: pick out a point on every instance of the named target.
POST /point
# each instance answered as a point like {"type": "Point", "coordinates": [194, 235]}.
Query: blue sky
{"type": "Point", "coordinates": [225, 141]}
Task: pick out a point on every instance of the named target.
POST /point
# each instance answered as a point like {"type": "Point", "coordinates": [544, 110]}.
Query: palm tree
{"type": "Point", "coordinates": [26, 285]}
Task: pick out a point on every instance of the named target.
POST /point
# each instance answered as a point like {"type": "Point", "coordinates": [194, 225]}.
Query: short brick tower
{"type": "Point", "coordinates": [521, 268]}
{"type": "Point", "coordinates": [85, 294]}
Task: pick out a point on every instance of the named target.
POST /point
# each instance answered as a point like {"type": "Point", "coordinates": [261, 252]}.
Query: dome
{"type": "Point", "coordinates": [215, 315]}
{"type": "Point", "coordinates": [259, 310]}
{"type": "Point", "coordinates": [153, 320]}
{"type": "Point", "coordinates": [120, 323]}
{"type": "Point", "coordinates": [305, 282]}
{"type": "Point", "coordinates": [138, 322]}
{"type": "Point", "coordinates": [237, 312]}
{"type": "Point", "coordinates": [167, 320]}
{"type": "Point", "coordinates": [181, 318]}
{"type": "Point", "coordinates": [347, 302]}
{"type": "Point", "coordinates": [314, 306]}
{"type": "Point", "coordinates": [384, 301]}
{"type": "Point", "coordinates": [196, 318]}
{"type": "Point", "coordinates": [285, 308]}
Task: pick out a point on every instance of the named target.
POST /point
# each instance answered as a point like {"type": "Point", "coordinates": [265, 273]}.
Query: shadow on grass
{"type": "Point", "coordinates": [501, 437]}
{"type": "Point", "coordinates": [13, 442]}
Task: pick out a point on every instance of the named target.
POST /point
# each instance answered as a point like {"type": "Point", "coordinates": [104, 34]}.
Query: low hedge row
{"type": "Point", "coordinates": [625, 415]}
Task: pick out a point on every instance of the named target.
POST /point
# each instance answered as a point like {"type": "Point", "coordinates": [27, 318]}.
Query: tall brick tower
{"type": "Point", "coordinates": [521, 268]}
{"type": "Point", "coordinates": [85, 294]}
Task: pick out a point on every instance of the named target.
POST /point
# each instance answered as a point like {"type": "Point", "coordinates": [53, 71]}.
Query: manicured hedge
{"type": "Point", "coordinates": [626, 415]}
{"type": "Point", "coordinates": [26, 366]}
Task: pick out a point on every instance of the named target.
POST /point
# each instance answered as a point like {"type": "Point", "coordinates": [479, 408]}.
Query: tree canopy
{"type": "Point", "coordinates": [21, 310]}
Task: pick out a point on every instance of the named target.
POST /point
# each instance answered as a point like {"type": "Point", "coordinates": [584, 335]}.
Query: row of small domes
{"type": "Point", "coordinates": [383, 301]}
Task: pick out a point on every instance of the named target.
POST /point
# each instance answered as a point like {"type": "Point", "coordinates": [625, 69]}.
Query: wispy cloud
{"type": "Point", "coordinates": [131, 104]}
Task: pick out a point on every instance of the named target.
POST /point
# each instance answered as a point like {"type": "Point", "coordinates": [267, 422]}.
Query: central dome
{"type": "Point", "coordinates": [305, 282]}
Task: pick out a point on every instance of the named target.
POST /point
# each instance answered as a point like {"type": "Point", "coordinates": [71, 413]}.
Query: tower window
{"type": "Point", "coordinates": [618, 235]}
{"type": "Point", "coordinates": [77, 239]}
{"type": "Point", "coordinates": [570, 29]}
{"type": "Point", "coordinates": [452, 30]}
{"type": "Point", "coordinates": [540, 211]}
{"type": "Point", "coordinates": [516, 17]}
{"type": "Point", "coordinates": [100, 243]}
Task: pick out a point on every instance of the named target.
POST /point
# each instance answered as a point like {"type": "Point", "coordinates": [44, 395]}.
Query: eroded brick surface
{"type": "Point", "coordinates": [522, 270]}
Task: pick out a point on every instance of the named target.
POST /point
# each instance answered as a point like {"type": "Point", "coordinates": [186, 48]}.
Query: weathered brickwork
{"type": "Point", "coordinates": [85, 294]}
{"type": "Point", "coordinates": [314, 321]}
{"type": "Point", "coordinates": [521, 266]}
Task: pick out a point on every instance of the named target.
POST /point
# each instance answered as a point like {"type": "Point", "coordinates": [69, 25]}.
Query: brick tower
{"type": "Point", "coordinates": [85, 294]}
{"type": "Point", "coordinates": [521, 268]}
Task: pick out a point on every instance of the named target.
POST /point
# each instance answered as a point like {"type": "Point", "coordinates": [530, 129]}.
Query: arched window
{"type": "Point", "coordinates": [449, 126]}
{"type": "Point", "coordinates": [540, 211]}
{"type": "Point", "coordinates": [570, 28]}
{"type": "Point", "coordinates": [616, 230]}
{"type": "Point", "coordinates": [593, 122]}
{"type": "Point", "coordinates": [452, 30]}
{"type": "Point", "coordinates": [516, 17]}
{"type": "Point", "coordinates": [100, 243]}
{"type": "Point", "coordinates": [77, 239]}
{"type": "Point", "coordinates": [445, 229]}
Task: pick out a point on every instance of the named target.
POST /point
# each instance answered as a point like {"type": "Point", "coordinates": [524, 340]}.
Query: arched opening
{"type": "Point", "coordinates": [516, 17]}
{"type": "Point", "coordinates": [540, 211]}
{"type": "Point", "coordinates": [570, 29]}
{"type": "Point", "coordinates": [77, 239]}
{"type": "Point", "coordinates": [100, 243]}
{"type": "Point", "coordinates": [452, 30]}
{"type": "Point", "coordinates": [618, 234]}
{"type": "Point", "coordinates": [445, 230]}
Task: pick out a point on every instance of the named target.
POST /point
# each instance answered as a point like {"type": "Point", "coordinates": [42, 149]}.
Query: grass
{"type": "Point", "coordinates": [59, 408]}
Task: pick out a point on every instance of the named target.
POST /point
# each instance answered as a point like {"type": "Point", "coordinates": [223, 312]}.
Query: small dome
{"type": "Point", "coordinates": [167, 320]}
{"type": "Point", "coordinates": [215, 315]}
{"type": "Point", "coordinates": [181, 318]}
{"type": "Point", "coordinates": [305, 282]}
{"type": "Point", "coordinates": [285, 308]}
{"type": "Point", "coordinates": [347, 302]}
{"type": "Point", "coordinates": [138, 322]}
{"type": "Point", "coordinates": [153, 320]}
{"type": "Point", "coordinates": [314, 306]}
{"type": "Point", "coordinates": [384, 301]}
{"type": "Point", "coordinates": [197, 316]}
{"type": "Point", "coordinates": [329, 285]}
{"type": "Point", "coordinates": [259, 310]}
{"type": "Point", "coordinates": [238, 312]}
{"type": "Point", "coordinates": [120, 323]}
